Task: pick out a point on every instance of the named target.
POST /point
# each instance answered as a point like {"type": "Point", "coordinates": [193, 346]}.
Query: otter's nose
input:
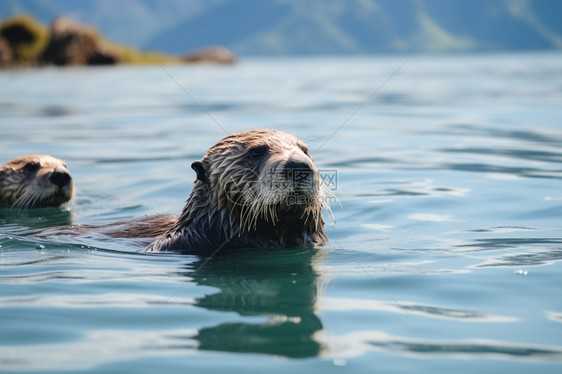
{"type": "Point", "coordinates": [299, 173]}
{"type": "Point", "coordinates": [60, 178]}
{"type": "Point", "coordinates": [297, 166]}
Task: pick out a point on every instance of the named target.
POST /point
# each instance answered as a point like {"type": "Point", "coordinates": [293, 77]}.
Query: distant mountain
{"type": "Point", "coordinates": [370, 26]}
{"type": "Point", "coordinates": [265, 27]}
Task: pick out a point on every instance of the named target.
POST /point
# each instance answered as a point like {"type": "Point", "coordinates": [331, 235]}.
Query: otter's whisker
{"type": "Point", "coordinates": [25, 201]}
{"type": "Point", "coordinates": [20, 203]}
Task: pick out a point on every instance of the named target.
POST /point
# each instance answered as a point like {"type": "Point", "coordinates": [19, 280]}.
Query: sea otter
{"type": "Point", "coordinates": [35, 181]}
{"type": "Point", "coordinates": [254, 189]}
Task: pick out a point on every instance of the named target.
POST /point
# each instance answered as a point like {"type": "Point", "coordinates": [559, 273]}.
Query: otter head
{"type": "Point", "coordinates": [35, 181]}
{"type": "Point", "coordinates": [263, 176]}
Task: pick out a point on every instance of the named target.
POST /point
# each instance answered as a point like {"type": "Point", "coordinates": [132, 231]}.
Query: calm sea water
{"type": "Point", "coordinates": [444, 250]}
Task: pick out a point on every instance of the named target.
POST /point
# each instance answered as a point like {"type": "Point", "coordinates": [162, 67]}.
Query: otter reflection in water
{"type": "Point", "coordinates": [282, 286]}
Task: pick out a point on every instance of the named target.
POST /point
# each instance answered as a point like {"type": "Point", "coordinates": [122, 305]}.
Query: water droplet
{"type": "Point", "coordinates": [40, 246]}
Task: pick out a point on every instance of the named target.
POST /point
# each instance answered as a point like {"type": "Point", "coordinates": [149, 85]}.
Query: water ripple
{"type": "Point", "coordinates": [431, 311]}
{"type": "Point", "coordinates": [356, 343]}
{"type": "Point", "coordinates": [467, 348]}
{"type": "Point", "coordinates": [106, 300]}
{"type": "Point", "coordinates": [527, 172]}
{"type": "Point", "coordinates": [537, 258]}
{"type": "Point", "coordinates": [524, 154]}
{"type": "Point", "coordinates": [554, 316]}
{"type": "Point", "coordinates": [483, 244]}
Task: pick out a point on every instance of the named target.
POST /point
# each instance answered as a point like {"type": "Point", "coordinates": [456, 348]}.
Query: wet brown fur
{"type": "Point", "coordinates": [240, 199]}
{"type": "Point", "coordinates": [35, 181]}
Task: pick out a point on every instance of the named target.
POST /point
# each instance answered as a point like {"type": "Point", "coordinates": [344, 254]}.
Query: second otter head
{"type": "Point", "coordinates": [262, 175]}
{"type": "Point", "coordinates": [35, 181]}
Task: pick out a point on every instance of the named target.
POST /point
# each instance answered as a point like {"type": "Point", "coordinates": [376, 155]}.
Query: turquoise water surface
{"type": "Point", "coordinates": [444, 250]}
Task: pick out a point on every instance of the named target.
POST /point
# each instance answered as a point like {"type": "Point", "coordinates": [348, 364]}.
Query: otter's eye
{"type": "Point", "coordinates": [257, 152]}
{"type": "Point", "coordinates": [305, 150]}
{"type": "Point", "coordinates": [31, 167]}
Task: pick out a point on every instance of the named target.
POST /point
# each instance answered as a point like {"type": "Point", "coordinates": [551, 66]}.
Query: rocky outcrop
{"type": "Point", "coordinates": [214, 55]}
{"type": "Point", "coordinates": [6, 57]}
{"type": "Point", "coordinates": [21, 39]}
{"type": "Point", "coordinates": [25, 42]}
{"type": "Point", "coordinates": [74, 44]}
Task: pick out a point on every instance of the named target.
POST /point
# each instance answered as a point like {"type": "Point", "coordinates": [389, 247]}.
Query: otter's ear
{"type": "Point", "coordinates": [200, 170]}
